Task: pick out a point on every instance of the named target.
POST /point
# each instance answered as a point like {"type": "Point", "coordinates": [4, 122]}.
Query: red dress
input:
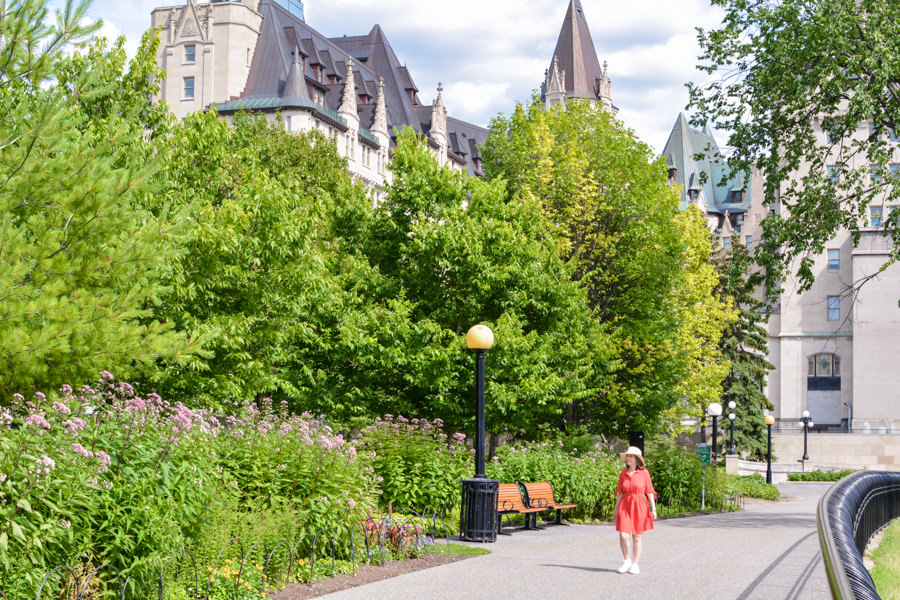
{"type": "Point", "coordinates": [634, 511]}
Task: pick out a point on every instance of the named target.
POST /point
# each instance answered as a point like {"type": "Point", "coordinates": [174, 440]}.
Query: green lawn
{"type": "Point", "coordinates": [886, 557]}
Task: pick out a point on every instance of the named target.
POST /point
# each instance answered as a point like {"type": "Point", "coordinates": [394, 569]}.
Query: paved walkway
{"type": "Point", "coordinates": [767, 552]}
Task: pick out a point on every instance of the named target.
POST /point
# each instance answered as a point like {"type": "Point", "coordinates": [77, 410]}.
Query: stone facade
{"type": "Point", "coordinates": [834, 345]}
{"type": "Point", "coordinates": [261, 56]}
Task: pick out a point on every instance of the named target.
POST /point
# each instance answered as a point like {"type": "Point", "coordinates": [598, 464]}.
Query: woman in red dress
{"type": "Point", "coordinates": [635, 508]}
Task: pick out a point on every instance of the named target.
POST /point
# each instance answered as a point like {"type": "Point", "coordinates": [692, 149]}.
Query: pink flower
{"type": "Point", "coordinates": [37, 420]}
{"type": "Point", "coordinates": [61, 408]}
{"type": "Point", "coordinates": [104, 460]}
{"type": "Point", "coordinates": [82, 451]}
{"type": "Point", "coordinates": [459, 436]}
{"type": "Point", "coordinates": [351, 503]}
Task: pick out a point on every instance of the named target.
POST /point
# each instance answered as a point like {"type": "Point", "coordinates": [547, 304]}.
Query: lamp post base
{"type": "Point", "coordinates": [478, 515]}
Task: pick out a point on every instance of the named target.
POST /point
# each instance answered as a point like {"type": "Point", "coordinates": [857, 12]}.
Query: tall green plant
{"type": "Point", "coordinates": [80, 260]}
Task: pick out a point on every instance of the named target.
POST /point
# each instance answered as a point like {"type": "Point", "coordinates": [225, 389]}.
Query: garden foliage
{"type": "Point", "coordinates": [418, 466]}
{"type": "Point", "coordinates": [588, 480]}
{"type": "Point", "coordinates": [103, 475]}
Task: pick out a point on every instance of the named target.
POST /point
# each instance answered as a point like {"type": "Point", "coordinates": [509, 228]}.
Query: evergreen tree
{"type": "Point", "coordinates": [744, 345]}
{"type": "Point", "coordinates": [80, 261]}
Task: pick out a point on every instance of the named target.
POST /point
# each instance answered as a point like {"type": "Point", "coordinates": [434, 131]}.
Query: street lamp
{"type": "Point", "coordinates": [770, 420]}
{"type": "Point", "coordinates": [714, 410]}
{"type": "Point", "coordinates": [805, 422]}
{"type": "Point", "coordinates": [479, 495]}
{"type": "Point", "coordinates": [731, 417]}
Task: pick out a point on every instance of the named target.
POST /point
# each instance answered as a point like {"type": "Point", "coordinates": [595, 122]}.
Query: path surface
{"type": "Point", "coordinates": [767, 552]}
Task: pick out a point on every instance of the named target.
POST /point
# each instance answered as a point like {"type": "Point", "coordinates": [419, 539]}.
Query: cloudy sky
{"type": "Point", "coordinates": [490, 54]}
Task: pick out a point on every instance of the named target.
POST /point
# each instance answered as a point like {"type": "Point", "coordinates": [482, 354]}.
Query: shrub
{"type": "Point", "coordinates": [588, 480]}
{"type": "Point", "coordinates": [680, 480]}
{"type": "Point", "coordinates": [751, 486]}
{"type": "Point", "coordinates": [818, 475]}
{"type": "Point", "coordinates": [104, 476]}
{"type": "Point", "coordinates": [418, 465]}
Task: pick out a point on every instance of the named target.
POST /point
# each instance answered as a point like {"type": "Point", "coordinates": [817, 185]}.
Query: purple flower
{"type": "Point", "coordinates": [104, 460]}
{"type": "Point", "coordinates": [61, 408]}
{"type": "Point", "coordinates": [37, 420]}
{"type": "Point", "coordinates": [459, 436]}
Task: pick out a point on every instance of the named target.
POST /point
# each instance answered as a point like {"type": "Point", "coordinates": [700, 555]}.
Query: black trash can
{"type": "Point", "coordinates": [636, 439]}
{"type": "Point", "coordinates": [478, 515]}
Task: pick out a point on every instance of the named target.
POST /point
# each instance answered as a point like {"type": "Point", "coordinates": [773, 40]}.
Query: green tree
{"type": "Point", "coordinates": [451, 252]}
{"type": "Point", "coordinates": [645, 265]}
{"type": "Point", "coordinates": [80, 261]}
{"type": "Point", "coordinates": [744, 345]}
{"type": "Point", "coordinates": [808, 92]}
{"type": "Point", "coordinates": [261, 279]}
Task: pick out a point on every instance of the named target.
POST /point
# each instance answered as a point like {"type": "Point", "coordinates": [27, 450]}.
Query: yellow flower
{"type": "Point", "coordinates": [258, 566]}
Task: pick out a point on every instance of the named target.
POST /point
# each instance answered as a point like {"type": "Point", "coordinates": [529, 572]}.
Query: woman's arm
{"type": "Point", "coordinates": [618, 502]}
{"type": "Point", "coordinates": [652, 504]}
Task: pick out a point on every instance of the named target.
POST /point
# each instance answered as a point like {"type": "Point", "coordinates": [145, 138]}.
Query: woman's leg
{"type": "Point", "coordinates": [624, 544]}
{"type": "Point", "coordinates": [637, 548]}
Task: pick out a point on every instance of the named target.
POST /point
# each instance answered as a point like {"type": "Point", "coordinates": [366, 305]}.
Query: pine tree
{"type": "Point", "coordinates": [745, 344]}
{"type": "Point", "coordinates": [80, 262]}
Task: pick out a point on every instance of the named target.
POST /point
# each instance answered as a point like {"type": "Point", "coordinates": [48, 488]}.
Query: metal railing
{"type": "Point", "coordinates": [377, 536]}
{"type": "Point", "coordinates": [849, 514]}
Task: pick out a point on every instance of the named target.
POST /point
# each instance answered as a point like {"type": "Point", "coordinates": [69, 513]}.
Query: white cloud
{"type": "Point", "coordinates": [491, 54]}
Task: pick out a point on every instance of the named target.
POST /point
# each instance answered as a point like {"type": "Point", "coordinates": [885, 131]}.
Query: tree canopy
{"type": "Point", "coordinates": [808, 92]}
{"type": "Point", "coordinates": [80, 260]}
{"type": "Point", "coordinates": [644, 263]}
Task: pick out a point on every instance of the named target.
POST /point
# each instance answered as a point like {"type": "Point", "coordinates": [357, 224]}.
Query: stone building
{"type": "Point", "coordinates": [261, 55]}
{"type": "Point", "coordinates": [833, 346]}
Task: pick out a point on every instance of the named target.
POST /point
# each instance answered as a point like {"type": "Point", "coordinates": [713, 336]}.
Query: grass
{"type": "Point", "coordinates": [460, 549]}
{"type": "Point", "coordinates": [886, 557]}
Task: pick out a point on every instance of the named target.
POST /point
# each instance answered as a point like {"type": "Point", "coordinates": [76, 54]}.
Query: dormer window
{"type": "Point", "coordinates": [737, 196]}
{"type": "Point", "coordinates": [694, 195]}
{"type": "Point", "coordinates": [190, 53]}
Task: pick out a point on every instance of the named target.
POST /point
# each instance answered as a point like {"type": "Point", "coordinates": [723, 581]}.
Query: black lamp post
{"type": "Point", "coordinates": [805, 422]}
{"type": "Point", "coordinates": [479, 495]}
{"type": "Point", "coordinates": [714, 410]}
{"type": "Point", "coordinates": [770, 420]}
{"type": "Point", "coordinates": [731, 417]}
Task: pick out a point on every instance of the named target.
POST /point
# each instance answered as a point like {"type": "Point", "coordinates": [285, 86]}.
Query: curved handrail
{"type": "Point", "coordinates": [849, 513]}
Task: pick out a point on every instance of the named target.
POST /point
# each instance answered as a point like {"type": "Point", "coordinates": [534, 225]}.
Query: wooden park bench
{"type": "Point", "coordinates": [541, 494]}
{"type": "Point", "coordinates": [511, 502]}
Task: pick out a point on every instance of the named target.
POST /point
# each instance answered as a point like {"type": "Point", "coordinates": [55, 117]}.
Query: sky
{"type": "Point", "coordinates": [490, 54]}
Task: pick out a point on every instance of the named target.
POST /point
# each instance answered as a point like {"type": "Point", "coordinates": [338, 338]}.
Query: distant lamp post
{"type": "Point", "coordinates": [479, 495]}
{"type": "Point", "coordinates": [731, 417]}
{"type": "Point", "coordinates": [770, 420]}
{"type": "Point", "coordinates": [849, 417]}
{"type": "Point", "coordinates": [805, 422]}
{"type": "Point", "coordinates": [714, 410]}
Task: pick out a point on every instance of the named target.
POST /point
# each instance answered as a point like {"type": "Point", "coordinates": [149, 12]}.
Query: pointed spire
{"type": "Point", "coordinates": [295, 86]}
{"type": "Point", "coordinates": [348, 102]}
{"type": "Point", "coordinates": [576, 55]}
{"type": "Point", "coordinates": [379, 123]}
{"type": "Point", "coordinates": [439, 115]}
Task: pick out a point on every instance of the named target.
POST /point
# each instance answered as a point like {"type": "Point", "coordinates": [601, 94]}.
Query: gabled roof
{"type": "Point", "coordinates": [271, 78]}
{"type": "Point", "coordinates": [577, 56]}
{"type": "Point", "coordinates": [708, 174]}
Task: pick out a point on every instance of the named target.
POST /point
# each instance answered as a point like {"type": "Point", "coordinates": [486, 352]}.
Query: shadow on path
{"type": "Point", "coordinates": [796, 590]}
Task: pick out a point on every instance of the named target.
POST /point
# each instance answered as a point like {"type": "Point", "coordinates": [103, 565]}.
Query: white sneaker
{"type": "Point", "coordinates": [626, 564]}
{"type": "Point", "coordinates": [634, 570]}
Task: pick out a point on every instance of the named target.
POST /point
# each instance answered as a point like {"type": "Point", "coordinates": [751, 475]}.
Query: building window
{"type": "Point", "coordinates": [875, 213]}
{"type": "Point", "coordinates": [748, 241]}
{"type": "Point", "coordinates": [824, 365]}
{"type": "Point", "coordinates": [892, 135]}
{"type": "Point", "coordinates": [737, 196]}
{"type": "Point", "coordinates": [190, 53]}
{"type": "Point", "coordinates": [895, 171]}
{"type": "Point", "coordinates": [726, 242]}
{"type": "Point", "coordinates": [188, 88]}
{"type": "Point", "coordinates": [834, 308]}
{"type": "Point", "coordinates": [834, 260]}
{"type": "Point", "coordinates": [834, 173]}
